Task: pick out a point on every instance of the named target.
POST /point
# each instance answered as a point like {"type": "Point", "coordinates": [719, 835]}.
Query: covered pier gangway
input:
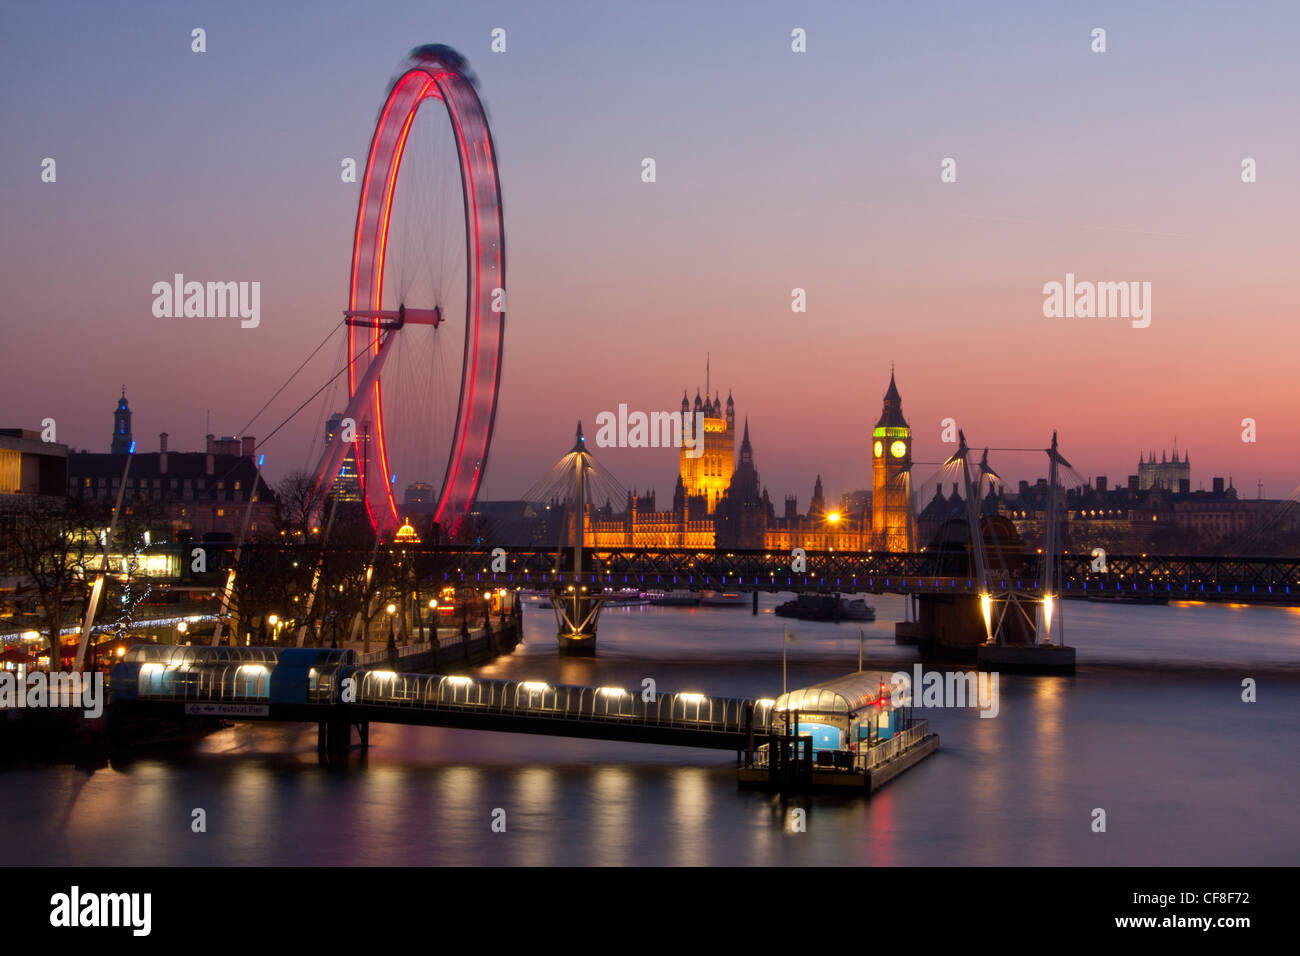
{"type": "Point", "coordinates": [846, 726]}
{"type": "Point", "coordinates": [328, 687]}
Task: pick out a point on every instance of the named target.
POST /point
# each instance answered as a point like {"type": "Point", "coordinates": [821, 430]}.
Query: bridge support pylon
{"type": "Point", "coordinates": [334, 736]}
{"type": "Point", "coordinates": [576, 614]}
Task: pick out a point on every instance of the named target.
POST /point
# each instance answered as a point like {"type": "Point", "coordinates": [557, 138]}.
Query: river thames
{"type": "Point", "coordinates": [1152, 729]}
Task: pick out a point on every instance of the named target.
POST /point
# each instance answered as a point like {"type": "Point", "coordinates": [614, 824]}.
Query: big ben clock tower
{"type": "Point", "coordinates": [891, 463]}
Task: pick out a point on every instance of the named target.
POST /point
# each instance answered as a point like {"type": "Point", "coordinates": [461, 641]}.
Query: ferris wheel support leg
{"type": "Point", "coordinates": [332, 458]}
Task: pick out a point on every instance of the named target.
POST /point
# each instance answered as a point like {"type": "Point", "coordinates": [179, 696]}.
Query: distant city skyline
{"type": "Point", "coordinates": [776, 171]}
{"type": "Point", "coordinates": [926, 473]}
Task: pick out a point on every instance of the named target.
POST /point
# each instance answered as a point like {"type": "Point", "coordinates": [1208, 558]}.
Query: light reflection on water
{"type": "Point", "coordinates": [1186, 772]}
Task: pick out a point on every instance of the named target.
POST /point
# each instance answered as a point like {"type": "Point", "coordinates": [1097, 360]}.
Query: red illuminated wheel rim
{"type": "Point", "coordinates": [429, 241]}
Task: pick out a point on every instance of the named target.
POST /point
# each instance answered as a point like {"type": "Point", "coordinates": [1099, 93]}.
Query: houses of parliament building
{"type": "Point", "coordinates": [720, 502]}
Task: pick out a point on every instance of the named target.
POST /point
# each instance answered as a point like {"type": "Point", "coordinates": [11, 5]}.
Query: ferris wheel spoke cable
{"type": "Point", "coordinates": [286, 382]}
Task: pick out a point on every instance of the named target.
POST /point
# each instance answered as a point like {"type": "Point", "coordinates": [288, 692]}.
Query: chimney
{"type": "Point", "coordinates": [210, 462]}
{"type": "Point", "coordinates": [1218, 486]}
{"type": "Point", "coordinates": [1102, 484]}
{"type": "Point", "coordinates": [250, 444]}
{"type": "Point", "coordinates": [162, 454]}
{"type": "Point", "coordinates": [211, 438]}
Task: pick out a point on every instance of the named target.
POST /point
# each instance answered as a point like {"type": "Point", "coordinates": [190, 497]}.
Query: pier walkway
{"type": "Point", "coordinates": [331, 688]}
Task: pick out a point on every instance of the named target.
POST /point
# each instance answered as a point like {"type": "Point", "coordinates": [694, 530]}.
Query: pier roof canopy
{"type": "Point", "coordinates": [843, 695]}
{"type": "Point", "coordinates": [186, 655]}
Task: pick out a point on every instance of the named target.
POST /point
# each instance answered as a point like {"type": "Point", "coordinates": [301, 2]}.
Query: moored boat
{"type": "Point", "coordinates": [722, 599]}
{"type": "Point", "coordinates": [676, 599]}
{"type": "Point", "coordinates": [627, 597]}
{"type": "Point", "coordinates": [827, 607]}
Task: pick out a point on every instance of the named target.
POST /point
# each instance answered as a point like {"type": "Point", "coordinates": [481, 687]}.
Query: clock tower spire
{"type": "Point", "coordinates": [891, 464]}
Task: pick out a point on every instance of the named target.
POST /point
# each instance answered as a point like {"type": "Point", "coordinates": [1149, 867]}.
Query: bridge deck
{"type": "Point", "coordinates": [1190, 577]}
{"type": "Point", "coordinates": [269, 688]}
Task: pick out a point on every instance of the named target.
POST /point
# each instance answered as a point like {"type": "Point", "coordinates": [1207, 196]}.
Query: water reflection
{"type": "Point", "coordinates": [612, 808]}
{"type": "Point", "coordinates": [1013, 789]}
{"type": "Point", "coordinates": [690, 803]}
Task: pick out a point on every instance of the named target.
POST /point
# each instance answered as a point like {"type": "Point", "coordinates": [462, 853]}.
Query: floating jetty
{"type": "Point", "coordinates": [841, 736]}
{"type": "Point", "coordinates": [1026, 658]}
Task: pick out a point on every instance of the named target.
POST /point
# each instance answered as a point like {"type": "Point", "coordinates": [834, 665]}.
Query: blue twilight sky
{"type": "Point", "coordinates": [776, 170]}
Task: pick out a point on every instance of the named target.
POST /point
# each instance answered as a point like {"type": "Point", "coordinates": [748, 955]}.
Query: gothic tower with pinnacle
{"type": "Point", "coordinates": [891, 462]}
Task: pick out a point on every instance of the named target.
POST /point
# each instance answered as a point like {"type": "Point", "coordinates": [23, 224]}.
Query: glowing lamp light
{"type": "Point", "coordinates": [182, 627]}
{"type": "Point", "coordinates": [765, 702]}
{"type": "Point", "coordinates": [383, 675]}
{"type": "Point", "coordinates": [986, 606]}
{"type": "Point", "coordinates": [833, 517]}
{"type": "Point", "coordinates": [391, 609]}
{"type": "Point", "coordinates": [433, 604]}
{"type": "Point", "coordinates": [273, 620]}
{"type": "Point", "coordinates": [459, 681]}
{"type": "Point", "coordinates": [612, 691]}
{"type": "Point", "coordinates": [535, 686]}
{"type": "Point", "coordinates": [691, 698]}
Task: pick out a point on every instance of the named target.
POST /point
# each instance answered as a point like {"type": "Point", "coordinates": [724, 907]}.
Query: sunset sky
{"type": "Point", "coordinates": [775, 170]}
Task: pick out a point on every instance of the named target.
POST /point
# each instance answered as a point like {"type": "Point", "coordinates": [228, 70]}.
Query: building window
{"type": "Point", "coordinates": [221, 512]}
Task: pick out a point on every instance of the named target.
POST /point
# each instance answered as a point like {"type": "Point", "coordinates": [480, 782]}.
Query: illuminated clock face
{"type": "Point", "coordinates": [880, 449]}
{"type": "Point", "coordinates": [898, 449]}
